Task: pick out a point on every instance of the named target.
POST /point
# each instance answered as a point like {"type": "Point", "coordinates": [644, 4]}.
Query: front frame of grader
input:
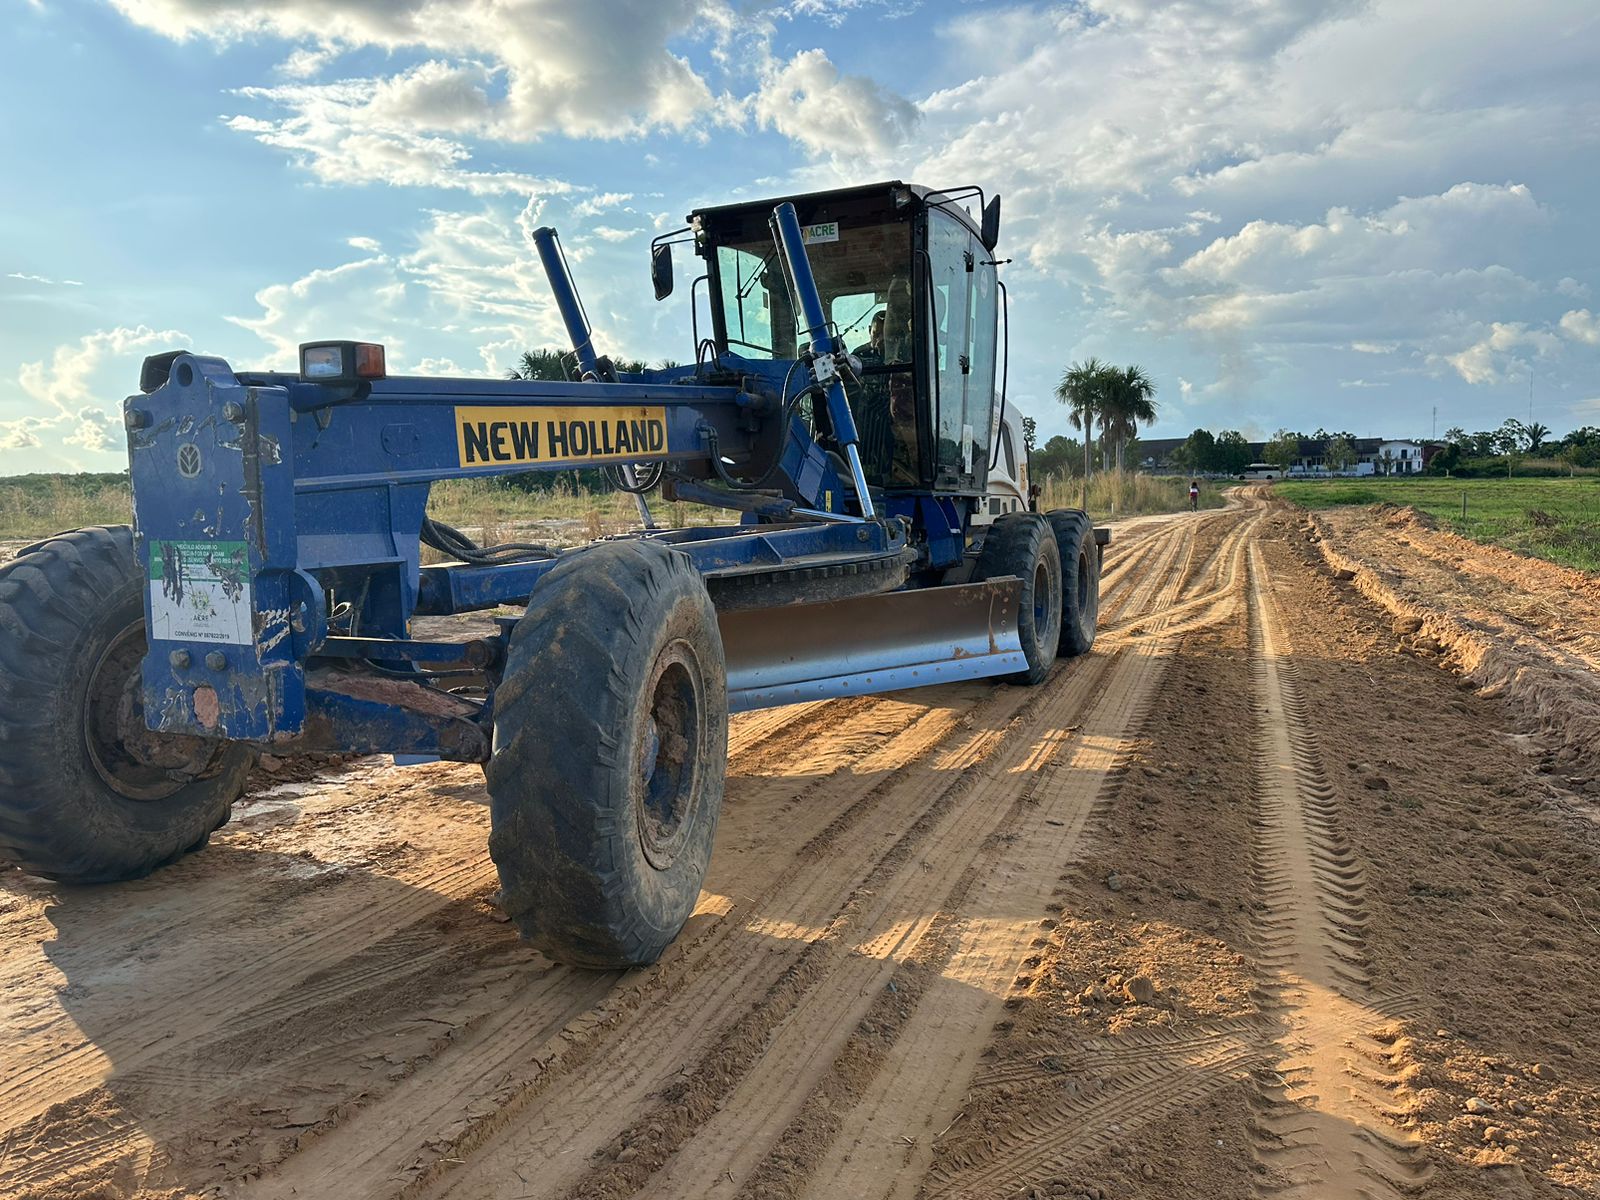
{"type": "Point", "coordinates": [278, 518]}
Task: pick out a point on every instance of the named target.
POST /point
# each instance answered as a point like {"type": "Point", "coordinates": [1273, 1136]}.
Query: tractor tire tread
{"type": "Point", "coordinates": [1080, 579]}
{"type": "Point", "coordinates": [56, 819]}
{"type": "Point", "coordinates": [1014, 545]}
{"type": "Point", "coordinates": [561, 815]}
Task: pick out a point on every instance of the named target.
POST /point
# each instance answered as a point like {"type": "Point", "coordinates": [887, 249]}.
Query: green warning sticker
{"type": "Point", "coordinates": [200, 592]}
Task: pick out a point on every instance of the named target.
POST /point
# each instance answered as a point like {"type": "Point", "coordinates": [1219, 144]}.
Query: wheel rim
{"type": "Point", "coordinates": [1041, 597]}
{"type": "Point", "coordinates": [133, 761]}
{"type": "Point", "coordinates": [668, 774]}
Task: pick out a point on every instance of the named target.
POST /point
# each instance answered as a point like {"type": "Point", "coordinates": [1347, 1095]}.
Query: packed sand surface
{"type": "Point", "coordinates": [1289, 888]}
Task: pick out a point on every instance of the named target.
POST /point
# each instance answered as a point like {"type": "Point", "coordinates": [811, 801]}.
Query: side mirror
{"type": "Point", "coordinates": [661, 270]}
{"type": "Point", "coordinates": [990, 231]}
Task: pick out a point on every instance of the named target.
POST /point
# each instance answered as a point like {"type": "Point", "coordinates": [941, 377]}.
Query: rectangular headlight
{"type": "Point", "coordinates": [341, 362]}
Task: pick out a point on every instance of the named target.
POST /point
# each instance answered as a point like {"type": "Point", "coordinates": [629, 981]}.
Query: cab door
{"type": "Point", "coordinates": [960, 309]}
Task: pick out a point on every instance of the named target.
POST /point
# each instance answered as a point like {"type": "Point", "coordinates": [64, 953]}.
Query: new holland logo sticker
{"type": "Point", "coordinates": [189, 463]}
{"type": "Point", "coordinates": [493, 436]}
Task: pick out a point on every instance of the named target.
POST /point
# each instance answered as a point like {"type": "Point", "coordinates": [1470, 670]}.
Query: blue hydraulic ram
{"type": "Point", "coordinates": [272, 591]}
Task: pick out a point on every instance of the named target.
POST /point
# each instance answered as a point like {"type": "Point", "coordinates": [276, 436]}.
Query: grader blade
{"type": "Point", "coordinates": [877, 643]}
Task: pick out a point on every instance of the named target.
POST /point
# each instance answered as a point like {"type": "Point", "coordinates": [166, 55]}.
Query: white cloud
{"type": "Point", "coordinates": [1414, 233]}
{"type": "Point", "coordinates": [1568, 286]}
{"type": "Point", "coordinates": [357, 300]}
{"type": "Point", "coordinates": [373, 131]}
{"type": "Point", "coordinates": [21, 435]}
{"type": "Point", "coordinates": [93, 431]}
{"type": "Point", "coordinates": [470, 284]}
{"type": "Point", "coordinates": [304, 62]}
{"type": "Point", "coordinates": [27, 278]}
{"type": "Point", "coordinates": [597, 69]}
{"type": "Point", "coordinates": [78, 389]}
{"type": "Point", "coordinates": [595, 205]}
{"type": "Point", "coordinates": [808, 100]}
{"type": "Point", "coordinates": [1398, 212]}
{"type": "Point", "coordinates": [609, 234]}
{"type": "Point", "coordinates": [1491, 359]}
{"type": "Point", "coordinates": [65, 382]}
{"type": "Point", "coordinates": [1581, 325]}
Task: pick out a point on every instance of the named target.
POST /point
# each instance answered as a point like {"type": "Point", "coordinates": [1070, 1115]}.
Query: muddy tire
{"type": "Point", "coordinates": [87, 793]}
{"type": "Point", "coordinates": [610, 748]}
{"type": "Point", "coordinates": [1080, 585]}
{"type": "Point", "coordinates": [1021, 544]}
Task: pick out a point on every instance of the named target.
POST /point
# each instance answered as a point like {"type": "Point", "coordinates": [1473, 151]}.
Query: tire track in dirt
{"type": "Point", "coordinates": [792, 942]}
{"type": "Point", "coordinates": [1159, 1075]}
{"type": "Point", "coordinates": [931, 1063]}
{"type": "Point", "coordinates": [984, 825]}
{"type": "Point", "coordinates": [1213, 592]}
{"type": "Point", "coordinates": [322, 949]}
{"type": "Point", "coordinates": [763, 898]}
{"type": "Point", "coordinates": [786, 1034]}
{"type": "Point", "coordinates": [1158, 1072]}
{"type": "Point", "coordinates": [996, 815]}
{"type": "Point", "coordinates": [1126, 564]}
{"type": "Point", "coordinates": [1322, 1129]}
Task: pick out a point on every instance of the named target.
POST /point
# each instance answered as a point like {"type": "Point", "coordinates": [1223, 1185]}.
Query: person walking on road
{"type": "Point", "coordinates": [1194, 495]}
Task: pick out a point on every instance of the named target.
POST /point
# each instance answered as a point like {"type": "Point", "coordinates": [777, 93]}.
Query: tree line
{"type": "Point", "coordinates": [1487, 451]}
{"type": "Point", "coordinates": [1512, 442]}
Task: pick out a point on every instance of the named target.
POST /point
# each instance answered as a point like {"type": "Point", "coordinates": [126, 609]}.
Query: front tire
{"type": "Point", "coordinates": [1080, 568]}
{"type": "Point", "coordinates": [610, 750]}
{"type": "Point", "coordinates": [1021, 544]}
{"type": "Point", "coordinates": [87, 793]}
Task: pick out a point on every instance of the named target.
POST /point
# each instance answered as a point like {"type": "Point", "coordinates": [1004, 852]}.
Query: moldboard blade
{"type": "Point", "coordinates": [878, 643]}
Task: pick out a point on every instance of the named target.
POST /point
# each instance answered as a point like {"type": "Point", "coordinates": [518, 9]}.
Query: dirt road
{"type": "Point", "coordinates": [1263, 896]}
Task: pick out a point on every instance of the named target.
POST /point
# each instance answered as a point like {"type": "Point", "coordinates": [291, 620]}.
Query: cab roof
{"type": "Point", "coordinates": [947, 199]}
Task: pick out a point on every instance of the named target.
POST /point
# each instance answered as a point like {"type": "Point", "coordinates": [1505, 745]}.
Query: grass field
{"type": "Point", "coordinates": [1556, 519]}
{"type": "Point", "coordinates": [1127, 495]}
{"type": "Point", "coordinates": [39, 505]}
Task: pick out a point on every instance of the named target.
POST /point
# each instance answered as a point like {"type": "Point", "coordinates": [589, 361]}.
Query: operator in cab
{"type": "Point", "coordinates": [886, 408]}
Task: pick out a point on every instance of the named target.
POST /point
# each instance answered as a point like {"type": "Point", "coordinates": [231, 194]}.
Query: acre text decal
{"type": "Point", "coordinates": [495, 436]}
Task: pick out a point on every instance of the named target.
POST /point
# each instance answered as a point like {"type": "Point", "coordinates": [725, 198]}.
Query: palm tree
{"type": "Point", "coordinates": [1534, 435]}
{"type": "Point", "coordinates": [539, 364]}
{"type": "Point", "coordinates": [1127, 405]}
{"type": "Point", "coordinates": [1083, 389]}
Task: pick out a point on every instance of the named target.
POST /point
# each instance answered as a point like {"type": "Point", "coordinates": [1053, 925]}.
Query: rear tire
{"type": "Point", "coordinates": [1021, 544]}
{"type": "Point", "coordinates": [610, 749]}
{"type": "Point", "coordinates": [1080, 569]}
{"type": "Point", "coordinates": [87, 793]}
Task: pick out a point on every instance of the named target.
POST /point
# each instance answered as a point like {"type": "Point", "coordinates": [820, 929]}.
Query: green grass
{"type": "Point", "coordinates": [34, 506]}
{"type": "Point", "coordinates": [1554, 519]}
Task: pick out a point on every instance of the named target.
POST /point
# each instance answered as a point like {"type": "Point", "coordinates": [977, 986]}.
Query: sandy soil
{"type": "Point", "coordinates": [1279, 891]}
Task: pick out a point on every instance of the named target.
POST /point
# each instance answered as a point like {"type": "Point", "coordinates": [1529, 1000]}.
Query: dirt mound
{"type": "Point", "coordinates": [1398, 516]}
{"type": "Point", "coordinates": [1536, 655]}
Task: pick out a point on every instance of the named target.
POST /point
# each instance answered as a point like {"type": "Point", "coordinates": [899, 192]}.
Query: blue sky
{"type": "Point", "coordinates": [1290, 212]}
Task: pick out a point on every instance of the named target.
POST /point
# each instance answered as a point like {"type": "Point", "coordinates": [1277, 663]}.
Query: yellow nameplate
{"type": "Point", "coordinates": [495, 436]}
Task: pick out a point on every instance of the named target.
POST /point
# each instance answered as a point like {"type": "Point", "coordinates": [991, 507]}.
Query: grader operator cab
{"type": "Point", "coordinates": [908, 286]}
{"type": "Point", "coordinates": [271, 593]}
